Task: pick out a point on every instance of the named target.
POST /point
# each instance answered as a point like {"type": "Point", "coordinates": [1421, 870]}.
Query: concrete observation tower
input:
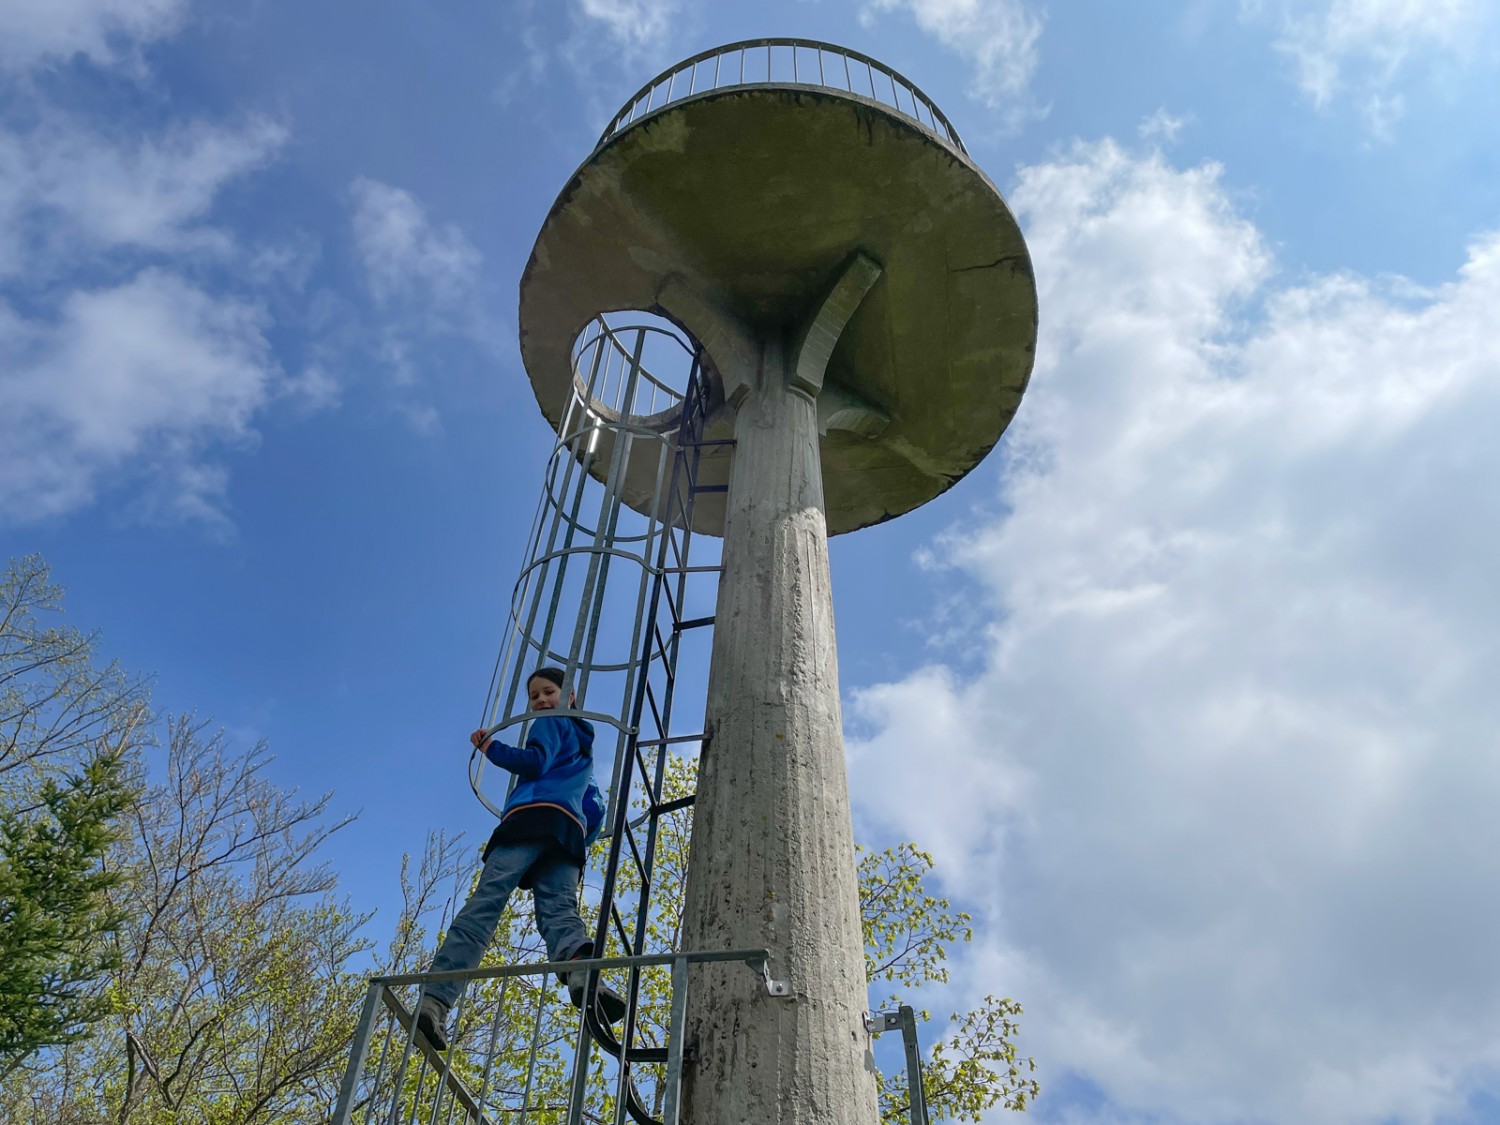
{"type": "Point", "coordinates": [855, 312]}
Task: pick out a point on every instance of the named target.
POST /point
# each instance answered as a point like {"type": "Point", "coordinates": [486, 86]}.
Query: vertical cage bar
{"type": "Point", "coordinates": [357, 1055]}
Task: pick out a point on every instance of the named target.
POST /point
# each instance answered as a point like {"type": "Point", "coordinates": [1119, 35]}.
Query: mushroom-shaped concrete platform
{"type": "Point", "coordinates": [837, 218]}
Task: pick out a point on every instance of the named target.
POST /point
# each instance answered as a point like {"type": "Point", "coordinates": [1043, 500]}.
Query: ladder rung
{"type": "Point", "coordinates": [673, 806]}
{"type": "Point", "coordinates": [697, 488]}
{"type": "Point", "coordinates": [695, 623]}
{"type": "Point", "coordinates": [673, 741]}
{"type": "Point", "coordinates": [691, 569]}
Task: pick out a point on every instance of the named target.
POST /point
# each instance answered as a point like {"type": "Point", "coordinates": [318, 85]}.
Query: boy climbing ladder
{"type": "Point", "coordinates": [552, 815]}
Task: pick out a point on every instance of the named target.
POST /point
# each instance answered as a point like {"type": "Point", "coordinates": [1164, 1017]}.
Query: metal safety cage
{"type": "Point", "coordinates": [594, 568]}
{"type": "Point", "coordinates": [618, 600]}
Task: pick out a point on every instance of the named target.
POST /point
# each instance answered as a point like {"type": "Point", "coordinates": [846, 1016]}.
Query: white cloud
{"type": "Point", "coordinates": [634, 24]}
{"type": "Point", "coordinates": [140, 381]}
{"type": "Point", "coordinates": [37, 32]}
{"type": "Point", "coordinates": [405, 257]}
{"type": "Point", "coordinates": [1161, 127]}
{"type": "Point", "coordinates": [426, 279]}
{"type": "Point", "coordinates": [1357, 47]}
{"type": "Point", "coordinates": [998, 37]}
{"type": "Point", "coordinates": [1225, 785]}
{"type": "Point", "coordinates": [69, 190]}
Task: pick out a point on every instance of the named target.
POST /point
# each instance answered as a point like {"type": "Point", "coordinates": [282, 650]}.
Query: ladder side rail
{"type": "Point", "coordinates": [645, 695]}
{"type": "Point", "coordinates": [646, 864]}
{"type": "Point", "coordinates": [608, 911]}
{"type": "Point", "coordinates": [622, 802]}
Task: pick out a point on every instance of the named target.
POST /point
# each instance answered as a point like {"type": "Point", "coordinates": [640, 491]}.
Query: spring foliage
{"type": "Point", "coordinates": [173, 949]}
{"type": "Point", "coordinates": [68, 733]}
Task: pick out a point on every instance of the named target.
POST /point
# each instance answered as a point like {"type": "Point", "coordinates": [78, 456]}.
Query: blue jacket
{"type": "Point", "coordinates": [555, 768]}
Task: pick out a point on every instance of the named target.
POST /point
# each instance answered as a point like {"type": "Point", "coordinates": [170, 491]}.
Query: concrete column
{"type": "Point", "coordinates": [773, 851]}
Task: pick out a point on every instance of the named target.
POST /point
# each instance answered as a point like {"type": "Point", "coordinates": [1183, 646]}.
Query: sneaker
{"type": "Point", "coordinates": [432, 1022]}
{"type": "Point", "coordinates": [609, 1003]}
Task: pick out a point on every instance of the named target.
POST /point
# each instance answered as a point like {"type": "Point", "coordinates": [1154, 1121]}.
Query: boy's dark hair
{"type": "Point", "coordinates": [548, 673]}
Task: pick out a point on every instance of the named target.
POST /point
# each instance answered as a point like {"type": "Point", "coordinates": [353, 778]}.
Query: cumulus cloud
{"type": "Point", "coordinates": [998, 37]}
{"type": "Point", "coordinates": [1224, 787]}
{"type": "Point", "coordinates": [71, 191]}
{"type": "Point", "coordinates": [38, 32]}
{"type": "Point", "coordinates": [1357, 47]}
{"type": "Point", "coordinates": [140, 381]}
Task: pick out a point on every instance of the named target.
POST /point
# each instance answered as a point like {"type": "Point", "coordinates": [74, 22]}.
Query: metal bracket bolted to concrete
{"type": "Point", "coordinates": [761, 967]}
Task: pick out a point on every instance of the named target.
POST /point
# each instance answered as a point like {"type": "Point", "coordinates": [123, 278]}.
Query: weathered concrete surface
{"type": "Point", "coordinates": [758, 197]}
{"type": "Point", "coordinates": [773, 850]}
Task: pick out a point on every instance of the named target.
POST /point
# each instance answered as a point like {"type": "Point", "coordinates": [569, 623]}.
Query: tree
{"type": "Point", "coordinates": [238, 973]}
{"type": "Point", "coordinates": [69, 735]}
{"type": "Point", "coordinates": [908, 932]}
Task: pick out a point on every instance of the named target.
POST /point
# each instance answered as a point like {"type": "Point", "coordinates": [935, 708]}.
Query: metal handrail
{"type": "Point", "coordinates": [401, 1037]}
{"type": "Point", "coordinates": [935, 123]}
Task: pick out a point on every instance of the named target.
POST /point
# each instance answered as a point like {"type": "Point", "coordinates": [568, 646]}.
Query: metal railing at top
{"type": "Point", "coordinates": [808, 62]}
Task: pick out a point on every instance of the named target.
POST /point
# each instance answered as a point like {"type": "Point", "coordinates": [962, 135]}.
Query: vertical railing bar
{"type": "Point", "coordinates": [848, 81]}
{"type": "Point", "coordinates": [489, 1050]}
{"type": "Point", "coordinates": [794, 63]}
{"type": "Point", "coordinates": [768, 62]}
{"type": "Point", "coordinates": [444, 1074]}
{"type": "Point", "coordinates": [717, 60]}
{"type": "Point", "coordinates": [624, 377]}
{"type": "Point", "coordinates": [871, 70]}
{"type": "Point", "coordinates": [677, 1022]}
{"type": "Point", "coordinates": [385, 1051]}
{"type": "Point", "coordinates": [821, 80]}
{"type": "Point", "coordinates": [416, 1100]}
{"type": "Point", "coordinates": [577, 461]}
{"type": "Point", "coordinates": [409, 1038]}
{"type": "Point", "coordinates": [580, 465]}
{"type": "Point", "coordinates": [536, 1040]}
{"type": "Point", "coordinates": [581, 1054]}
{"type": "Point", "coordinates": [653, 529]}
{"type": "Point", "coordinates": [357, 1055]}
{"type": "Point", "coordinates": [598, 573]}
{"type": "Point", "coordinates": [692, 80]}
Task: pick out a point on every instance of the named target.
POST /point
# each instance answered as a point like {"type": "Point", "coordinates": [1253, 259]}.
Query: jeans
{"type": "Point", "coordinates": [554, 886]}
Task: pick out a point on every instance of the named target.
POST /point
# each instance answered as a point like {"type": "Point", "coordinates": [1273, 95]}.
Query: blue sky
{"type": "Point", "coordinates": [1190, 686]}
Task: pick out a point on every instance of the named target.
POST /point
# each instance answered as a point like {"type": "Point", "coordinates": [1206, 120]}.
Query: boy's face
{"type": "Point", "coordinates": [542, 694]}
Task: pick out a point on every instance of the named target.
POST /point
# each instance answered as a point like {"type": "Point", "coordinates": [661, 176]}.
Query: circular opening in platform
{"type": "Point", "coordinates": [634, 366]}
